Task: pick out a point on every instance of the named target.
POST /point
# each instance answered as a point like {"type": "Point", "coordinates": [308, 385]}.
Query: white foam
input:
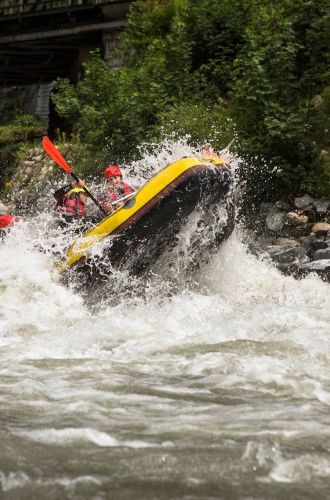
{"type": "Point", "coordinates": [72, 435]}
{"type": "Point", "coordinates": [13, 480]}
{"type": "Point", "coordinates": [301, 470]}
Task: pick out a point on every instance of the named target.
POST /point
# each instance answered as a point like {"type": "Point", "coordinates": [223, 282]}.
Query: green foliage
{"type": "Point", "coordinates": [216, 30]}
{"type": "Point", "coordinates": [320, 119]}
{"type": "Point", "coordinates": [318, 182]}
{"type": "Point", "coordinates": [22, 127]}
{"type": "Point", "coordinates": [200, 122]}
{"type": "Point", "coordinates": [265, 91]}
{"type": "Point", "coordinates": [213, 69]}
{"type": "Point", "coordinates": [274, 81]}
{"type": "Point", "coordinates": [15, 139]}
{"type": "Point", "coordinates": [9, 155]}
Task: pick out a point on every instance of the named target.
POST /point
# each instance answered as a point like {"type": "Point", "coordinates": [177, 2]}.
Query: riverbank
{"type": "Point", "coordinates": [295, 234]}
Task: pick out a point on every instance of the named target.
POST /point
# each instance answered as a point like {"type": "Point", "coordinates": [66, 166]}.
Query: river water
{"type": "Point", "coordinates": [219, 390]}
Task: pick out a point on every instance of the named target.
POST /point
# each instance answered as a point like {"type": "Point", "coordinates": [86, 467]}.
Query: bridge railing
{"type": "Point", "coordinates": [21, 7]}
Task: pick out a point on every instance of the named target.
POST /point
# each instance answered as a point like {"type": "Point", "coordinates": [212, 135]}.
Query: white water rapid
{"type": "Point", "coordinates": [221, 390]}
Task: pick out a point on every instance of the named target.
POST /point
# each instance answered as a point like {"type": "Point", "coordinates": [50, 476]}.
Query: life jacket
{"type": "Point", "coordinates": [71, 204]}
{"type": "Point", "coordinates": [113, 194]}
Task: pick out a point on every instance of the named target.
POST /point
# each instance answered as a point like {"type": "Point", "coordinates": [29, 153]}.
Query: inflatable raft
{"type": "Point", "coordinates": [133, 237]}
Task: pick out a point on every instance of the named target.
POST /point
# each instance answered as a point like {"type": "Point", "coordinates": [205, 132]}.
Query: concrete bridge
{"type": "Point", "coordinates": [42, 40]}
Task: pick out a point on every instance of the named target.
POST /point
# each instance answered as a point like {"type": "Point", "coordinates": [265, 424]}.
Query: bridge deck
{"type": "Point", "coordinates": [41, 40]}
{"type": "Point", "coordinates": [18, 8]}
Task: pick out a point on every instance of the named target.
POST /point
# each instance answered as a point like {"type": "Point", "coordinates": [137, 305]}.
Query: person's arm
{"type": "Point", "coordinates": [59, 194]}
{"type": "Point", "coordinates": [107, 207]}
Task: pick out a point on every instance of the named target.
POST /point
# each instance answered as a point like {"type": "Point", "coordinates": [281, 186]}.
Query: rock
{"type": "Point", "coordinates": [287, 241]}
{"type": "Point", "coordinates": [275, 222]}
{"type": "Point", "coordinates": [291, 269]}
{"type": "Point", "coordinates": [259, 225]}
{"type": "Point", "coordinates": [267, 207]}
{"type": "Point", "coordinates": [321, 228]}
{"type": "Point", "coordinates": [320, 245]}
{"type": "Point", "coordinates": [290, 231]}
{"type": "Point", "coordinates": [303, 202]}
{"type": "Point", "coordinates": [287, 253]}
{"type": "Point", "coordinates": [3, 208]}
{"type": "Point", "coordinates": [312, 245]}
{"type": "Point", "coordinates": [300, 271]}
{"type": "Point", "coordinates": [321, 205]}
{"type": "Point", "coordinates": [316, 264]}
{"type": "Point", "coordinates": [294, 219]}
{"type": "Point", "coordinates": [266, 241]}
{"type": "Point", "coordinates": [323, 253]}
{"type": "Point", "coordinates": [312, 214]}
{"type": "Point", "coordinates": [283, 206]}
{"type": "Point", "coordinates": [256, 249]}
{"type": "Point", "coordinates": [320, 267]}
{"type": "Point", "coordinates": [302, 239]}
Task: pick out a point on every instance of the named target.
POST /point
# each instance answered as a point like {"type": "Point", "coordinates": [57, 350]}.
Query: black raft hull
{"type": "Point", "coordinates": [150, 224]}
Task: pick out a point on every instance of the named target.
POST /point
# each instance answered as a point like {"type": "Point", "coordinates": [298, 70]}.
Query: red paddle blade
{"type": "Point", "coordinates": [54, 153]}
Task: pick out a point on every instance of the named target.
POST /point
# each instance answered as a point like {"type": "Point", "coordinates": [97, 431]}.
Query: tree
{"type": "Point", "coordinates": [273, 84]}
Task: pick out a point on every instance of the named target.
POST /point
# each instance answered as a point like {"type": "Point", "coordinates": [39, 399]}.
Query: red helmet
{"type": "Point", "coordinates": [6, 220]}
{"type": "Point", "coordinates": [112, 171]}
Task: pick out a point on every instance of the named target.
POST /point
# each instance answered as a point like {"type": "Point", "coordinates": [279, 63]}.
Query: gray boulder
{"type": "Point", "coordinates": [323, 253]}
{"type": "Point", "coordinates": [304, 202]}
{"type": "Point", "coordinates": [287, 253]}
{"type": "Point", "coordinates": [312, 245]}
{"type": "Point", "coordinates": [316, 265]}
{"type": "Point", "coordinates": [275, 221]}
{"type": "Point", "coordinates": [321, 205]}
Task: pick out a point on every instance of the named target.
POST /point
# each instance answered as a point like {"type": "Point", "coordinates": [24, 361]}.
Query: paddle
{"type": "Point", "coordinates": [130, 195]}
{"type": "Point", "coordinates": [54, 153]}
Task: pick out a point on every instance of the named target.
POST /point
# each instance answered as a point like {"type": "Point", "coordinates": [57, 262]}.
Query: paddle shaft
{"type": "Point", "coordinates": [124, 198]}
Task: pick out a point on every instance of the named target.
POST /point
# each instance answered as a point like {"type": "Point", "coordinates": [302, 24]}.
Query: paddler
{"type": "Point", "coordinates": [208, 151]}
{"type": "Point", "coordinates": [116, 188]}
{"type": "Point", "coordinates": [71, 200]}
{"type": "Point", "coordinates": [6, 221]}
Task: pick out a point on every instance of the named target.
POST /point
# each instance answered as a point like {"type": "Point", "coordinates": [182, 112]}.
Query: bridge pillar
{"type": "Point", "coordinates": [112, 49]}
{"type": "Point", "coordinates": [42, 104]}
